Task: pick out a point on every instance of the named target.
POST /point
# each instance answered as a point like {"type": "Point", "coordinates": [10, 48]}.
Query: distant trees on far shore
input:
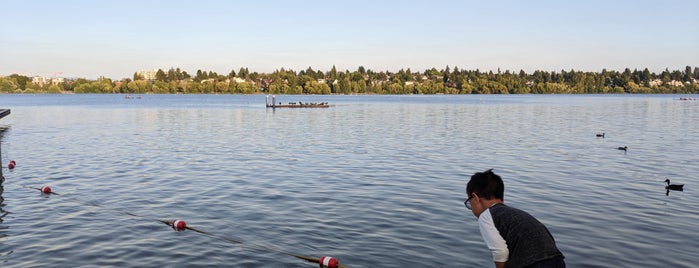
{"type": "Point", "coordinates": [365, 81]}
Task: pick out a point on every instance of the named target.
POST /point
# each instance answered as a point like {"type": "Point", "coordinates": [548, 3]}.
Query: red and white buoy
{"type": "Point", "coordinates": [46, 189]}
{"type": "Point", "coordinates": [179, 225]}
{"type": "Point", "coordinates": [328, 262]}
{"type": "Point", "coordinates": [12, 164]}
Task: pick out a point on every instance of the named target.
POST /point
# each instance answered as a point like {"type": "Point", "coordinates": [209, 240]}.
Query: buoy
{"type": "Point", "coordinates": [12, 164]}
{"type": "Point", "coordinates": [328, 262]}
{"type": "Point", "coordinates": [46, 190]}
{"type": "Point", "coordinates": [179, 225]}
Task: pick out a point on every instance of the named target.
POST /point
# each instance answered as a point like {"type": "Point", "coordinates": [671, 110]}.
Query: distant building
{"type": "Point", "coordinates": [675, 83]}
{"type": "Point", "coordinates": [40, 80]}
{"type": "Point", "coordinates": [147, 75]}
{"type": "Point", "coordinates": [655, 82]}
{"type": "Point", "coordinates": [57, 80]}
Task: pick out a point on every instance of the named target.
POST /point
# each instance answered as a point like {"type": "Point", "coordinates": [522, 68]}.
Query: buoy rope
{"type": "Point", "coordinates": [41, 190]}
{"type": "Point", "coordinates": [170, 223]}
{"type": "Point", "coordinates": [258, 246]}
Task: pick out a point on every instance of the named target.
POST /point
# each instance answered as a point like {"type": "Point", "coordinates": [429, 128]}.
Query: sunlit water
{"type": "Point", "coordinates": [376, 181]}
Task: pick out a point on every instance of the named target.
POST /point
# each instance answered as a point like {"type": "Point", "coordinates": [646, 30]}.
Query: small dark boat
{"type": "Point", "coordinates": [623, 148]}
{"type": "Point", "coordinates": [600, 135]}
{"type": "Point", "coordinates": [675, 187]}
{"type": "Point", "coordinates": [4, 112]}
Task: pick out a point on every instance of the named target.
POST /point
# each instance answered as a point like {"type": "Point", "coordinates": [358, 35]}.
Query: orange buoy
{"type": "Point", "coordinates": [46, 190]}
{"type": "Point", "coordinates": [328, 262]}
{"type": "Point", "coordinates": [12, 164]}
{"type": "Point", "coordinates": [179, 225]}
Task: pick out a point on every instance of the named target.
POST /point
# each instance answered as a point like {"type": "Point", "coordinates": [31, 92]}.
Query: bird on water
{"type": "Point", "coordinates": [676, 187]}
{"type": "Point", "coordinates": [623, 148]}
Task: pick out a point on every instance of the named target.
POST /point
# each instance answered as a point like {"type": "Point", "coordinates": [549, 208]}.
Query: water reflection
{"type": "Point", "coordinates": [4, 251]}
{"type": "Point", "coordinates": [2, 188]}
{"type": "Point", "coordinates": [2, 178]}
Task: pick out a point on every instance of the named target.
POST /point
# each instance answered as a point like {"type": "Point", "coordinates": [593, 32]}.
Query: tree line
{"type": "Point", "coordinates": [366, 81]}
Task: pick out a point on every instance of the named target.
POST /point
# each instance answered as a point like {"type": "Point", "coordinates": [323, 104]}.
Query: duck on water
{"type": "Point", "coordinates": [676, 187]}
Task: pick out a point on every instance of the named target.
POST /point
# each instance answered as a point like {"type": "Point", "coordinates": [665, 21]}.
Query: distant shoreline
{"type": "Point", "coordinates": [363, 81]}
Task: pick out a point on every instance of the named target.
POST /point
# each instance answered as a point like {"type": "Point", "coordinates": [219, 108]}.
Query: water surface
{"type": "Point", "coordinates": [376, 181]}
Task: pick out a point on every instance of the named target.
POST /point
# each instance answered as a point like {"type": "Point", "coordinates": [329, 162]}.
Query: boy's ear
{"type": "Point", "coordinates": [476, 197]}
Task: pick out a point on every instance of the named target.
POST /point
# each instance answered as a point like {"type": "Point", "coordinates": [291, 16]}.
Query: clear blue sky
{"type": "Point", "coordinates": [116, 38]}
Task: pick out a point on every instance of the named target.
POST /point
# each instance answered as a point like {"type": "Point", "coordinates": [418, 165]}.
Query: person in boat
{"type": "Point", "coordinates": [515, 238]}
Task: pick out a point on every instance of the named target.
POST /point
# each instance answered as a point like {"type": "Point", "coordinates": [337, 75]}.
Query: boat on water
{"type": "Point", "coordinates": [274, 104]}
{"type": "Point", "coordinates": [4, 112]}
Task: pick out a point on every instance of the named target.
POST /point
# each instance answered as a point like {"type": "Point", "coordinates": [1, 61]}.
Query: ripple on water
{"type": "Point", "coordinates": [377, 181]}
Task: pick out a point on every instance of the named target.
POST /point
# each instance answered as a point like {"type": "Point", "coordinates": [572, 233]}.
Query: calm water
{"type": "Point", "coordinates": [376, 181]}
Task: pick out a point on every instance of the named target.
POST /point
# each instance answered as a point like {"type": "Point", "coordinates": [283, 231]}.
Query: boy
{"type": "Point", "coordinates": [515, 238]}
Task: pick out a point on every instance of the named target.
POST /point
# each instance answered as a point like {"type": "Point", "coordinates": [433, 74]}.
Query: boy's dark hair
{"type": "Point", "coordinates": [486, 185]}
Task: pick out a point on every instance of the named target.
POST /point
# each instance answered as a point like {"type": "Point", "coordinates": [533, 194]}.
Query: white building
{"type": "Point", "coordinates": [147, 75]}
{"type": "Point", "coordinates": [40, 80]}
{"type": "Point", "coordinates": [57, 80]}
{"type": "Point", "coordinates": [655, 82]}
{"type": "Point", "coordinates": [675, 83]}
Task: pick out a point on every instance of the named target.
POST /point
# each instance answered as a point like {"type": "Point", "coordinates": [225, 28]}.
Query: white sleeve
{"type": "Point", "coordinates": [492, 238]}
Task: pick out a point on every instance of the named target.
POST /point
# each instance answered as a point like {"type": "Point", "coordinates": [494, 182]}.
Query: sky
{"type": "Point", "coordinates": [114, 39]}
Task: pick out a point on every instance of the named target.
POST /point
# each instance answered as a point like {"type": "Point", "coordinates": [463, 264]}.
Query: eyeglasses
{"type": "Point", "coordinates": [467, 203]}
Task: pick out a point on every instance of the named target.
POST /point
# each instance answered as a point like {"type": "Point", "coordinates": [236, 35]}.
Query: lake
{"type": "Point", "coordinates": [375, 181]}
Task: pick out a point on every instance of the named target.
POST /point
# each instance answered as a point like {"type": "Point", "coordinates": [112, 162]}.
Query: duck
{"type": "Point", "coordinates": [623, 148]}
{"type": "Point", "coordinates": [600, 135]}
{"type": "Point", "coordinates": [676, 187]}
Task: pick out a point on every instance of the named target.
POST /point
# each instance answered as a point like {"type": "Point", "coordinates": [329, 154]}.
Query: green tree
{"type": "Point", "coordinates": [172, 75]}
{"type": "Point", "coordinates": [160, 75]}
{"type": "Point", "coordinates": [361, 70]}
{"type": "Point", "coordinates": [243, 73]}
{"type": "Point", "coordinates": [200, 76]}
{"type": "Point", "coordinates": [8, 85]}
{"type": "Point", "coordinates": [161, 87]}
{"type": "Point", "coordinates": [104, 86]}
{"type": "Point", "coordinates": [139, 87]}
{"type": "Point", "coordinates": [21, 80]}
{"type": "Point", "coordinates": [344, 86]}
{"type": "Point", "coordinates": [332, 75]}
{"type": "Point", "coordinates": [54, 89]}
{"type": "Point", "coordinates": [221, 87]}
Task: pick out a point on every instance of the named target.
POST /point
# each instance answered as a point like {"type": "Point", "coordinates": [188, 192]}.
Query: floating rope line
{"type": "Point", "coordinates": [43, 190]}
{"type": "Point", "coordinates": [325, 261]}
{"type": "Point", "coordinates": [180, 225]}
